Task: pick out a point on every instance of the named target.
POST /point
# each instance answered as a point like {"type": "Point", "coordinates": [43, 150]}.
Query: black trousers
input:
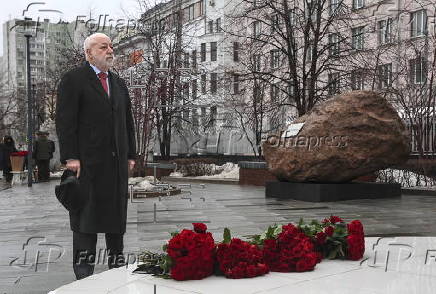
{"type": "Point", "coordinates": [43, 169]}
{"type": "Point", "coordinates": [85, 256]}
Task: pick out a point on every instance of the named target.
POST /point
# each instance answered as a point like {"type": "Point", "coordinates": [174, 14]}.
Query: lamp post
{"type": "Point", "coordinates": [30, 29]}
{"type": "Point", "coordinates": [29, 114]}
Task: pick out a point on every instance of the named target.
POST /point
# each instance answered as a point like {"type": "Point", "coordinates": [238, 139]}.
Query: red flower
{"type": "Point", "coordinates": [193, 255]}
{"type": "Point", "coordinates": [356, 247]}
{"type": "Point", "coordinates": [329, 230]}
{"type": "Point", "coordinates": [291, 251]}
{"type": "Point", "coordinates": [240, 259]}
{"type": "Point", "coordinates": [320, 238]}
{"type": "Point", "coordinates": [355, 227]}
{"type": "Point", "coordinates": [355, 240]}
{"type": "Point", "coordinates": [199, 227]}
{"type": "Point", "coordinates": [335, 219]}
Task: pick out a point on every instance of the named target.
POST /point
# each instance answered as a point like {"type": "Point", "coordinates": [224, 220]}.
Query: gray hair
{"type": "Point", "coordinates": [89, 41]}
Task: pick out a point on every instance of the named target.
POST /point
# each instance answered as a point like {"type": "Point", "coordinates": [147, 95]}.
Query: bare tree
{"type": "Point", "coordinates": [300, 46]}
{"type": "Point", "coordinates": [171, 70]}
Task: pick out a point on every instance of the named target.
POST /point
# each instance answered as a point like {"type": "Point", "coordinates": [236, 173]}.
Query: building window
{"type": "Point", "coordinates": [334, 6]}
{"type": "Point", "coordinates": [275, 93]}
{"type": "Point", "coordinates": [309, 52]}
{"type": "Point", "coordinates": [357, 38]}
{"type": "Point", "coordinates": [235, 84]}
{"type": "Point", "coordinates": [333, 83]}
{"type": "Point", "coordinates": [256, 62]}
{"type": "Point", "coordinates": [210, 26]}
{"type": "Point", "coordinates": [358, 4]}
{"type": "Point", "coordinates": [213, 116]}
{"type": "Point", "coordinates": [203, 115]}
{"type": "Point", "coordinates": [213, 82]}
{"type": "Point", "coordinates": [418, 23]}
{"type": "Point", "coordinates": [185, 92]}
{"type": "Point", "coordinates": [194, 89]}
{"type": "Point", "coordinates": [256, 29]}
{"type": "Point", "coordinates": [357, 80]}
{"type": "Point", "coordinates": [203, 52]}
{"type": "Point", "coordinates": [203, 84]}
{"type": "Point", "coordinates": [290, 89]}
{"type": "Point", "coordinates": [275, 58]}
{"type": "Point", "coordinates": [235, 51]}
{"type": "Point", "coordinates": [310, 10]}
{"type": "Point", "coordinates": [334, 44]}
{"type": "Point", "coordinates": [275, 22]}
{"type": "Point", "coordinates": [194, 58]}
{"type": "Point", "coordinates": [213, 51]}
{"type": "Point", "coordinates": [191, 12]}
{"type": "Point", "coordinates": [384, 72]}
{"type": "Point", "coordinates": [385, 31]}
{"type": "Point", "coordinates": [200, 5]}
{"type": "Point", "coordinates": [292, 17]}
{"type": "Point", "coordinates": [418, 70]}
{"type": "Point", "coordinates": [218, 24]}
{"type": "Point", "coordinates": [186, 60]}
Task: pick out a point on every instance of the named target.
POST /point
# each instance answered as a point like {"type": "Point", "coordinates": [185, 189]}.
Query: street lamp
{"type": "Point", "coordinates": [30, 28]}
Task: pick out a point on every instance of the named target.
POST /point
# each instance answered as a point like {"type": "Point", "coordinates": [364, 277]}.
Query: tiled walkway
{"type": "Point", "coordinates": [32, 221]}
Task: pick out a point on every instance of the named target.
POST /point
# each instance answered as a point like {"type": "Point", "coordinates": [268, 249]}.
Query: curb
{"type": "Point", "coordinates": [197, 180]}
{"type": "Point", "coordinates": [418, 192]}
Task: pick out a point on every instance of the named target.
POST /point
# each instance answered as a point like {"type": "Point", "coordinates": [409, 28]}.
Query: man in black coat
{"type": "Point", "coordinates": [7, 148]}
{"type": "Point", "coordinates": [96, 139]}
{"type": "Point", "coordinates": [42, 153]}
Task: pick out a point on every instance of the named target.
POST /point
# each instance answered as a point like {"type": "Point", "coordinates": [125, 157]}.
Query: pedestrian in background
{"type": "Point", "coordinates": [7, 148]}
{"type": "Point", "coordinates": [42, 153]}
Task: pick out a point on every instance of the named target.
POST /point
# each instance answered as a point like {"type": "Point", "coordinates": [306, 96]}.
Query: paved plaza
{"type": "Point", "coordinates": [35, 227]}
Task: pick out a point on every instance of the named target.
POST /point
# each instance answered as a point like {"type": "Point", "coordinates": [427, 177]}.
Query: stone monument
{"type": "Point", "coordinates": [348, 136]}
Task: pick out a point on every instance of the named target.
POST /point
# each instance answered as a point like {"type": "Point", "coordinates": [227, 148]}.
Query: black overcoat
{"type": "Point", "coordinates": [98, 130]}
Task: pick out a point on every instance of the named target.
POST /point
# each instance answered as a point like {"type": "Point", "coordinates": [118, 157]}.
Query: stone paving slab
{"type": "Point", "coordinates": [34, 212]}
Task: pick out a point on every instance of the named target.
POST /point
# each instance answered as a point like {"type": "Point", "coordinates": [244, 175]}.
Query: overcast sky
{"type": "Point", "coordinates": [69, 9]}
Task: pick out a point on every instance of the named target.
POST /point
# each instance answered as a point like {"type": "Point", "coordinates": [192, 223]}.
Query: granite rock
{"type": "Point", "coordinates": [348, 136]}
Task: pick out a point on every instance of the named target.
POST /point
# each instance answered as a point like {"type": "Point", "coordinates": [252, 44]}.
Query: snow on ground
{"type": "Point", "coordinates": [143, 183]}
{"type": "Point", "coordinates": [176, 174]}
{"type": "Point", "coordinates": [405, 178]}
{"type": "Point", "coordinates": [228, 170]}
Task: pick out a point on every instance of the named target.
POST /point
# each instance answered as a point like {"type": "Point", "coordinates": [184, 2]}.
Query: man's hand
{"type": "Point", "coordinates": [131, 164]}
{"type": "Point", "coordinates": [74, 165]}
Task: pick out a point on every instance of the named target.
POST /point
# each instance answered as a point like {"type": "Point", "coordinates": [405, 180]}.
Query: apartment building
{"type": "Point", "coordinates": [204, 53]}
{"type": "Point", "coordinates": [386, 46]}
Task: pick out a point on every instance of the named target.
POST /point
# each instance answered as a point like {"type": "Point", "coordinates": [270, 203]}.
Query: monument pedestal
{"type": "Point", "coordinates": [322, 192]}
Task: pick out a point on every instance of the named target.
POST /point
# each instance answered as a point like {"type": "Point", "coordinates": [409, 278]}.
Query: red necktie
{"type": "Point", "coordinates": [103, 76]}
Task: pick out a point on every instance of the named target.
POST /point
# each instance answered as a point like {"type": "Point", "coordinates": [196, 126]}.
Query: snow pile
{"type": "Point", "coordinates": [228, 170]}
{"type": "Point", "coordinates": [143, 183]}
{"type": "Point", "coordinates": [176, 174]}
{"type": "Point", "coordinates": [405, 178]}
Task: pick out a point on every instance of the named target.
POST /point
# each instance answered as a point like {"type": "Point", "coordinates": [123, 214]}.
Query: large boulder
{"type": "Point", "coordinates": [348, 136]}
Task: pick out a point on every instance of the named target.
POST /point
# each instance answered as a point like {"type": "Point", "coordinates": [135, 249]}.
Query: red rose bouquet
{"type": "Point", "coordinates": [334, 238]}
{"type": "Point", "coordinates": [192, 254]}
{"type": "Point", "coordinates": [355, 240]}
{"type": "Point", "coordinates": [287, 249]}
{"type": "Point", "coordinates": [238, 259]}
